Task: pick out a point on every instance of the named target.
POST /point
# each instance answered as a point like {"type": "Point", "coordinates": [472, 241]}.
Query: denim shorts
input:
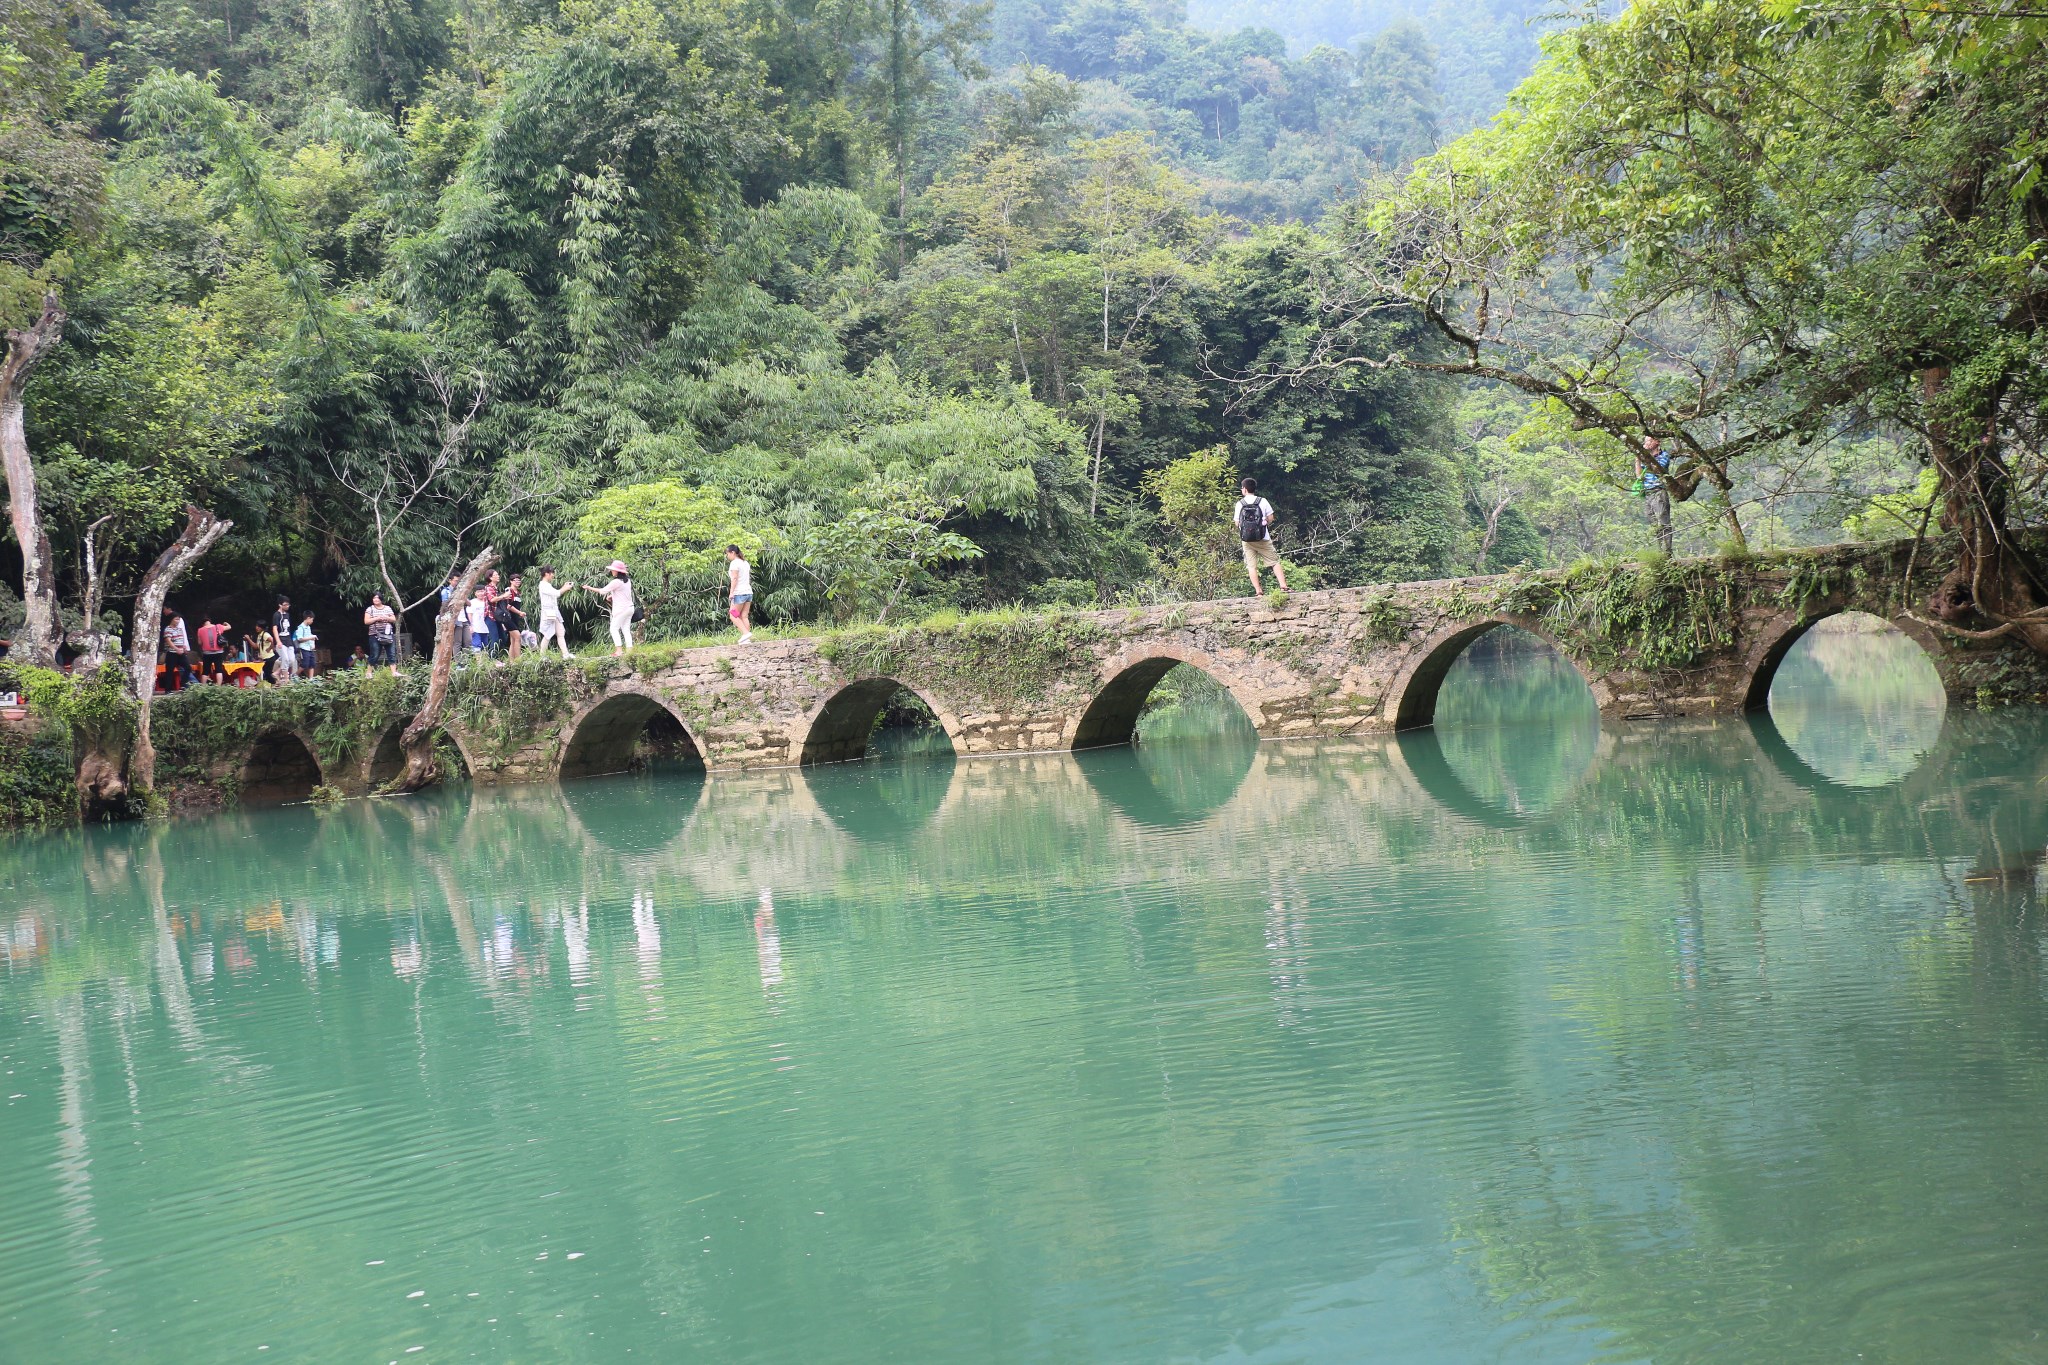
{"type": "Point", "coordinates": [740, 597]}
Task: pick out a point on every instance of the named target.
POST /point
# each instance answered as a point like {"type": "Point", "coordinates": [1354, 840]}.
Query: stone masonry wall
{"type": "Point", "coordinates": [1688, 638]}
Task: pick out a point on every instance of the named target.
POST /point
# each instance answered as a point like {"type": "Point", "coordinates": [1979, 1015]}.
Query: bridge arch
{"type": "Point", "coordinates": [1777, 637]}
{"type": "Point", "coordinates": [601, 738]}
{"type": "Point", "coordinates": [1411, 701]}
{"type": "Point", "coordinates": [1111, 716]}
{"type": "Point", "coordinates": [387, 759]}
{"type": "Point", "coordinates": [837, 729]}
{"type": "Point", "coordinates": [279, 766]}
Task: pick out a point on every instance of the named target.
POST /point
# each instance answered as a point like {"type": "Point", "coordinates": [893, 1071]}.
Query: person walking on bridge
{"type": "Point", "coordinates": [1651, 467]}
{"type": "Point", "coordinates": [618, 592]}
{"type": "Point", "coordinates": [281, 632]}
{"type": "Point", "coordinates": [551, 613]}
{"type": "Point", "coordinates": [739, 588]}
{"type": "Point", "coordinates": [1254, 517]}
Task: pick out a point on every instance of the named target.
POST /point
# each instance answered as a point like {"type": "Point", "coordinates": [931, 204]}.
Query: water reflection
{"type": "Point", "coordinates": [885, 799]}
{"type": "Point", "coordinates": [633, 813]}
{"type": "Point", "coordinates": [1516, 730]}
{"type": "Point", "coordinates": [1333, 1072]}
{"type": "Point", "coordinates": [1168, 783]}
{"type": "Point", "coordinates": [1422, 751]}
{"type": "Point", "coordinates": [1857, 701]}
{"type": "Point", "coordinates": [768, 946]}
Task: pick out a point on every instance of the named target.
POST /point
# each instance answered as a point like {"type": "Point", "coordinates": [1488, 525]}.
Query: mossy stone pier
{"type": "Point", "coordinates": [1684, 638]}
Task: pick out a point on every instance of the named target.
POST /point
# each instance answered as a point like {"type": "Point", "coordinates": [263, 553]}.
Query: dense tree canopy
{"type": "Point", "coordinates": [914, 308]}
{"type": "Point", "coordinates": [947, 304]}
{"type": "Point", "coordinates": [1755, 233]}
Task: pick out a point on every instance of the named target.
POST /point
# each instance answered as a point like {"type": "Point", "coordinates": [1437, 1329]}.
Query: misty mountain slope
{"type": "Point", "coordinates": [1483, 47]}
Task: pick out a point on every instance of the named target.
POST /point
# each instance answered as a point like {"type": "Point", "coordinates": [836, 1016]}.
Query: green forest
{"type": "Point", "coordinates": [936, 305]}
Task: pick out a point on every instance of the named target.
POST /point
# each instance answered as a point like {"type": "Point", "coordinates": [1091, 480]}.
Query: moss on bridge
{"type": "Point", "coordinates": [1000, 657]}
{"type": "Point", "coordinates": [1653, 613]}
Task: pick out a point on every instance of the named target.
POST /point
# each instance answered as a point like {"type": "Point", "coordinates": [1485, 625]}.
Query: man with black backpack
{"type": "Point", "coordinates": [1255, 531]}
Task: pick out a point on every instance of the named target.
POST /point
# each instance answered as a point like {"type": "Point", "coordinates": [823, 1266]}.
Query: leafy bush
{"type": "Point", "coordinates": [36, 780]}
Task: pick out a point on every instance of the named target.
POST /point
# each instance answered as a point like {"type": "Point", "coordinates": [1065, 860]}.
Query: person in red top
{"type": "Point", "coordinates": [213, 655]}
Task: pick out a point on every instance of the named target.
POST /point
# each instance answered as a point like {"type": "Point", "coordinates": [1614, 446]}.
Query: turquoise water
{"type": "Point", "coordinates": [1522, 1040]}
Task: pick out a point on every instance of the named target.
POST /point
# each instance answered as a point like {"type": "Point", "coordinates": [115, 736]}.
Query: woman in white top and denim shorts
{"type": "Point", "coordinates": [739, 585]}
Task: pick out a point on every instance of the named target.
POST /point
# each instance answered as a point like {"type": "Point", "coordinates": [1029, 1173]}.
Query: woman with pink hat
{"type": "Point", "coordinates": [620, 593]}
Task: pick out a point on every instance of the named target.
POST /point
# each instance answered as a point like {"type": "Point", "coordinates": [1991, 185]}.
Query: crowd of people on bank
{"type": "Point", "coordinates": [282, 647]}
{"type": "Point", "coordinates": [491, 622]}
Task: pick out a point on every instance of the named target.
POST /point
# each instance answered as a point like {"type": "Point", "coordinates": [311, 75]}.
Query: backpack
{"type": "Point", "coordinates": [1251, 520]}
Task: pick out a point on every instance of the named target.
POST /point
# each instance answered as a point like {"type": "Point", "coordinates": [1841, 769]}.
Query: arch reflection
{"type": "Point", "coordinates": [1855, 699]}
{"type": "Point", "coordinates": [1786, 761]}
{"type": "Point", "coordinates": [1171, 784]}
{"type": "Point", "coordinates": [883, 802]}
{"type": "Point", "coordinates": [1516, 729]}
{"type": "Point", "coordinates": [637, 814]}
{"type": "Point", "coordinates": [1423, 753]}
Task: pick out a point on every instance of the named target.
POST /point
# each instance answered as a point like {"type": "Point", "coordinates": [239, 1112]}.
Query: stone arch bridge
{"type": "Point", "coordinates": [1685, 638]}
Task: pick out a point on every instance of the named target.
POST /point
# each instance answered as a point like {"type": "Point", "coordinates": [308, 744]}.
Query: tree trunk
{"type": "Point", "coordinates": [1095, 473]}
{"type": "Point", "coordinates": [94, 647]}
{"type": "Point", "coordinates": [1991, 579]}
{"type": "Point", "coordinates": [41, 632]}
{"type": "Point", "coordinates": [202, 532]}
{"type": "Point", "coordinates": [1492, 536]}
{"type": "Point", "coordinates": [417, 741]}
{"type": "Point", "coordinates": [100, 785]}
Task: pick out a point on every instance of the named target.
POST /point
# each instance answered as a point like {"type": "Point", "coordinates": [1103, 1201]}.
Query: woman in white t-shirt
{"type": "Point", "coordinates": [619, 592]}
{"type": "Point", "coordinates": [739, 587]}
{"type": "Point", "coordinates": [551, 613]}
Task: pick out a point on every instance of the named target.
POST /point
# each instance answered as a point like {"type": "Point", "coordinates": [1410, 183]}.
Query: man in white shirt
{"type": "Point", "coordinates": [551, 613]}
{"type": "Point", "coordinates": [177, 650]}
{"type": "Point", "coordinates": [1254, 518]}
{"type": "Point", "coordinates": [739, 588]}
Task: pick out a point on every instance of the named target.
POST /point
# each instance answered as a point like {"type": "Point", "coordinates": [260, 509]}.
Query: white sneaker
{"type": "Point", "coordinates": [747, 638]}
